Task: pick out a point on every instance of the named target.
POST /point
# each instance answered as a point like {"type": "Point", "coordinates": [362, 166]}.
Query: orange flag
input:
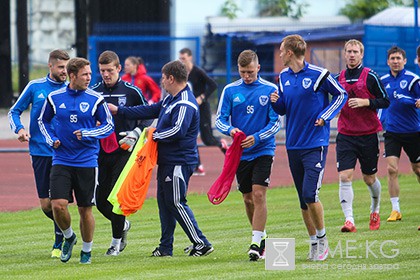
{"type": "Point", "coordinates": [133, 191]}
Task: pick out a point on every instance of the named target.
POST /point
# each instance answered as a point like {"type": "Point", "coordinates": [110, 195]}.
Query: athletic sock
{"type": "Point", "coordinates": [375, 193]}
{"type": "Point", "coordinates": [313, 239]}
{"type": "Point", "coordinates": [68, 233]}
{"type": "Point", "coordinates": [58, 236]}
{"type": "Point", "coordinates": [87, 246]}
{"type": "Point", "coordinates": [257, 236]}
{"type": "Point", "coordinates": [346, 200]}
{"type": "Point", "coordinates": [395, 201]}
{"type": "Point", "coordinates": [320, 233]}
{"type": "Point", "coordinates": [264, 235]}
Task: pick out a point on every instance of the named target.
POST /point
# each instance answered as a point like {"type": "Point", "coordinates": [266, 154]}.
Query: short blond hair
{"type": "Point", "coordinates": [355, 42]}
{"type": "Point", "coordinates": [295, 43]}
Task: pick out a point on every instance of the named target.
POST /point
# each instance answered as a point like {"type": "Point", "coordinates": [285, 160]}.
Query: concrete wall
{"type": "Point", "coordinates": [51, 25]}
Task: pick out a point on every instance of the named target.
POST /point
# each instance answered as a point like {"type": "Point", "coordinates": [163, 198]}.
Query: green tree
{"type": "Point", "coordinates": [358, 10]}
{"type": "Point", "coordinates": [230, 9]}
{"type": "Point", "coordinates": [289, 8]}
{"type": "Point", "coordinates": [268, 8]}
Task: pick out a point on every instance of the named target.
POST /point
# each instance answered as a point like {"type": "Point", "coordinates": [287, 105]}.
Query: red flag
{"type": "Point", "coordinates": [221, 187]}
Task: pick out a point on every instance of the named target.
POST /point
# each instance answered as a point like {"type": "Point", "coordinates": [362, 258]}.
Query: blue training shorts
{"type": "Point", "coordinates": [42, 168]}
{"type": "Point", "coordinates": [307, 167]}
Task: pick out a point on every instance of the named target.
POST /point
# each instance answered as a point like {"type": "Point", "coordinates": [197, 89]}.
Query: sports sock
{"type": "Point", "coordinates": [264, 235]}
{"type": "Point", "coordinates": [395, 201]}
{"type": "Point", "coordinates": [346, 199]}
{"type": "Point", "coordinates": [87, 246]}
{"type": "Point", "coordinates": [320, 233]}
{"type": "Point", "coordinates": [68, 233]}
{"type": "Point", "coordinates": [313, 239]}
{"type": "Point", "coordinates": [58, 236]}
{"type": "Point", "coordinates": [375, 193]}
{"type": "Point", "coordinates": [257, 236]}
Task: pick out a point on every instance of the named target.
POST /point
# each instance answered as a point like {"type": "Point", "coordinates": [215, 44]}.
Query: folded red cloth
{"type": "Point", "coordinates": [110, 143]}
{"type": "Point", "coordinates": [221, 187]}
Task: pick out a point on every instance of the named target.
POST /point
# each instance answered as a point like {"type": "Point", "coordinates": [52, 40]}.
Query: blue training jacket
{"type": "Point", "coordinates": [402, 116]}
{"type": "Point", "coordinates": [66, 111]}
{"type": "Point", "coordinates": [34, 93]}
{"type": "Point", "coordinates": [304, 99]}
{"type": "Point", "coordinates": [247, 107]}
{"type": "Point", "coordinates": [177, 127]}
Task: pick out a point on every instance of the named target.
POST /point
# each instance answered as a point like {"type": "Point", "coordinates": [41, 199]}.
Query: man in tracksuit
{"type": "Point", "coordinates": [72, 120]}
{"type": "Point", "coordinates": [176, 135]}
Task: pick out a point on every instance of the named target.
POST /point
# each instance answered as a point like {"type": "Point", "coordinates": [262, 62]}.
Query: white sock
{"type": "Point", "coordinates": [375, 193]}
{"type": "Point", "coordinates": [116, 243]}
{"type": "Point", "coordinates": [395, 201]}
{"type": "Point", "coordinates": [87, 246]}
{"type": "Point", "coordinates": [257, 236]}
{"type": "Point", "coordinates": [264, 235]}
{"type": "Point", "coordinates": [346, 199]}
{"type": "Point", "coordinates": [312, 238]}
{"type": "Point", "coordinates": [68, 233]}
{"type": "Point", "coordinates": [320, 233]}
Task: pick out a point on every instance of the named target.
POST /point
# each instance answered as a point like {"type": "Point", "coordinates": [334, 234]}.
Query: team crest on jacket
{"type": "Point", "coordinates": [306, 83]}
{"type": "Point", "coordinates": [263, 100]}
{"type": "Point", "coordinates": [84, 106]}
{"type": "Point", "coordinates": [122, 100]}
{"type": "Point", "coordinates": [403, 84]}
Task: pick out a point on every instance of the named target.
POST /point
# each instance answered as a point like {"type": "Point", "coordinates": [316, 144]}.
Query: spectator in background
{"type": "Point", "coordinates": [403, 123]}
{"type": "Point", "coordinates": [136, 74]}
{"type": "Point", "coordinates": [202, 87]}
{"type": "Point", "coordinates": [35, 94]}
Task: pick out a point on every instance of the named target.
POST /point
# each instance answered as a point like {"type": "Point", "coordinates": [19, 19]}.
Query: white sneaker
{"type": "Point", "coordinates": [313, 251]}
{"type": "Point", "coordinates": [112, 251]}
{"type": "Point", "coordinates": [322, 249]}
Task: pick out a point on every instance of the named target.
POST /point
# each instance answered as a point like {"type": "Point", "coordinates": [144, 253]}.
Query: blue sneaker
{"type": "Point", "coordinates": [85, 257]}
{"type": "Point", "coordinates": [68, 248]}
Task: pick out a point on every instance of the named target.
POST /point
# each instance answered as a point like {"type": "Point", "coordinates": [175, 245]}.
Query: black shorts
{"type": "Point", "coordinates": [42, 168]}
{"type": "Point", "coordinates": [254, 172]}
{"type": "Point", "coordinates": [410, 142]}
{"type": "Point", "coordinates": [83, 180]}
{"type": "Point", "coordinates": [364, 148]}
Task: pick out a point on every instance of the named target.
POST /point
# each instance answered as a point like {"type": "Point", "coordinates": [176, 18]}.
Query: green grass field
{"type": "Point", "coordinates": [390, 253]}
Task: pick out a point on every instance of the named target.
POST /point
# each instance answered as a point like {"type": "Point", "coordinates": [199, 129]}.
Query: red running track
{"type": "Point", "coordinates": [18, 191]}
